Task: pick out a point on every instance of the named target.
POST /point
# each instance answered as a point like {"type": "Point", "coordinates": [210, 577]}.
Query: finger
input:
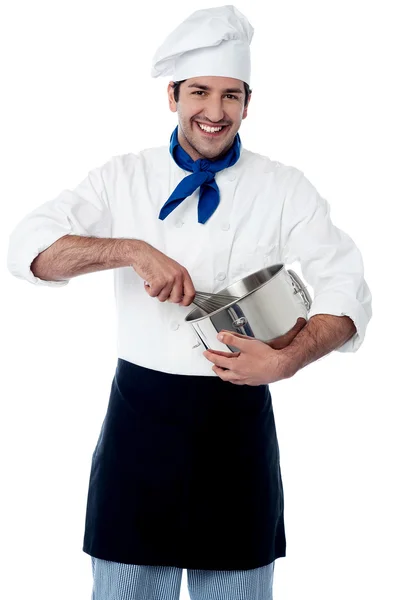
{"type": "Point", "coordinates": [232, 339]}
{"type": "Point", "coordinates": [152, 289]}
{"type": "Point", "coordinates": [188, 291]}
{"type": "Point", "coordinates": [284, 340]}
{"type": "Point", "coordinates": [165, 292]}
{"type": "Point", "coordinates": [228, 354]}
{"type": "Point", "coordinates": [176, 292]}
{"type": "Point", "coordinates": [220, 361]}
{"type": "Point", "coordinates": [248, 337]}
{"type": "Point", "coordinates": [226, 375]}
{"type": "Point", "coordinates": [148, 288]}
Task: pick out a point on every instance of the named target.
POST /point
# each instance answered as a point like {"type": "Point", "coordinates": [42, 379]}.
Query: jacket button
{"type": "Point", "coordinates": [179, 224]}
{"type": "Point", "coordinates": [226, 226]}
{"type": "Point", "coordinates": [231, 176]}
{"type": "Point", "coordinates": [221, 276]}
{"type": "Point", "coordinates": [174, 325]}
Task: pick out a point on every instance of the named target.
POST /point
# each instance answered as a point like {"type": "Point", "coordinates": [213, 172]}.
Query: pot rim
{"type": "Point", "coordinates": [214, 312]}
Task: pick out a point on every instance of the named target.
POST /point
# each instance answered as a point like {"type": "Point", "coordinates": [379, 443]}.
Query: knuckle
{"type": "Point", "coordinates": [177, 277]}
{"type": "Point", "coordinates": [156, 289]}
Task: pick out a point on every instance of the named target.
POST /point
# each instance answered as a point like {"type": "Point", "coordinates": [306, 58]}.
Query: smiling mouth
{"type": "Point", "coordinates": [211, 134]}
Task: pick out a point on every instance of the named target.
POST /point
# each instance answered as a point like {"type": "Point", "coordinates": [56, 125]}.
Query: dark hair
{"type": "Point", "coordinates": [176, 91]}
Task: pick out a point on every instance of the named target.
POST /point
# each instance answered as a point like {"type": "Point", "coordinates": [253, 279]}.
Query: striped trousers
{"type": "Point", "coordinates": [120, 581]}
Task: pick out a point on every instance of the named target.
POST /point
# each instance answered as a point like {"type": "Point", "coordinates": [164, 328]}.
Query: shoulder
{"type": "Point", "coordinates": [145, 158]}
{"type": "Point", "coordinates": [296, 190]}
{"type": "Point", "coordinates": [262, 164]}
{"type": "Point", "coordinates": [131, 163]}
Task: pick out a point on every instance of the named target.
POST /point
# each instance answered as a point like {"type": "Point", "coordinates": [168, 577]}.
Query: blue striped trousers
{"type": "Point", "coordinates": [120, 581]}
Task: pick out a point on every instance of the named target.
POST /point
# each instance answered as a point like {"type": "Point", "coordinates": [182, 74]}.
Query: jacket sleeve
{"type": "Point", "coordinates": [330, 261]}
{"type": "Point", "coordinates": [82, 211]}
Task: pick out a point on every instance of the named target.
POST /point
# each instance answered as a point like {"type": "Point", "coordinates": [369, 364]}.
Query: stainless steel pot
{"type": "Point", "coordinates": [272, 306]}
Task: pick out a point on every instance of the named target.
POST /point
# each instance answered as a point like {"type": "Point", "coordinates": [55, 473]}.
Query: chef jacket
{"type": "Point", "coordinates": [268, 213]}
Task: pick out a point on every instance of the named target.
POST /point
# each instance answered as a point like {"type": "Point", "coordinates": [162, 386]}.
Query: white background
{"type": "Point", "coordinates": [78, 91]}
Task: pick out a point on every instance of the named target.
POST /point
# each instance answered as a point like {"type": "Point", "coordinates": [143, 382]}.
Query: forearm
{"type": "Point", "coordinates": [74, 255]}
{"type": "Point", "coordinates": [321, 335]}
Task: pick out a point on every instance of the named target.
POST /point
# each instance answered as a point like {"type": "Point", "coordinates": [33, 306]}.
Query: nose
{"type": "Point", "coordinates": [214, 110]}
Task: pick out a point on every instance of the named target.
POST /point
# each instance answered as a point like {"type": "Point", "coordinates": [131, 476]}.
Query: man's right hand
{"type": "Point", "coordinates": [164, 278]}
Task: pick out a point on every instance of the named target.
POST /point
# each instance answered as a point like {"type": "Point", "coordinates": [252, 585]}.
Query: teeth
{"type": "Point", "coordinates": [210, 129]}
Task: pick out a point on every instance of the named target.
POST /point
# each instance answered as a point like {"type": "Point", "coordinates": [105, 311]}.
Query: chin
{"type": "Point", "coordinates": [213, 150]}
{"type": "Point", "coordinates": [210, 155]}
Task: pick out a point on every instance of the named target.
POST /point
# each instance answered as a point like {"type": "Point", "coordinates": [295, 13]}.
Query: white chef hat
{"type": "Point", "coordinates": [212, 41]}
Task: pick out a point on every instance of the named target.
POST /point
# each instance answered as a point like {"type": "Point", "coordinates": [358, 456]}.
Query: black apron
{"type": "Point", "coordinates": [185, 473]}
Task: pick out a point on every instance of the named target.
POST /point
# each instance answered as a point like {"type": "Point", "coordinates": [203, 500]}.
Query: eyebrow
{"type": "Point", "coordinates": [207, 88]}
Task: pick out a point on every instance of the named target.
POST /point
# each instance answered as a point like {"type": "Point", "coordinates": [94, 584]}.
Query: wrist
{"type": "Point", "coordinates": [288, 364]}
{"type": "Point", "coordinates": [136, 248]}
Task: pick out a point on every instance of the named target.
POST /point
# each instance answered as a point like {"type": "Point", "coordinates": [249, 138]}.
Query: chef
{"type": "Point", "coordinates": [186, 469]}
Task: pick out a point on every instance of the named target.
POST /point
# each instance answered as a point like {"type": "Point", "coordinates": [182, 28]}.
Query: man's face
{"type": "Point", "coordinates": [209, 101]}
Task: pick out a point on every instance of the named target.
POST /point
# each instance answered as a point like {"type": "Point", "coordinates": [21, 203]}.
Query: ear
{"type": "Point", "coordinates": [171, 98]}
{"type": "Point", "coordinates": [244, 114]}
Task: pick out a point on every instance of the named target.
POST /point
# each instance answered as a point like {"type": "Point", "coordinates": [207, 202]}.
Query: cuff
{"type": "Point", "coordinates": [21, 268]}
{"type": "Point", "coordinates": [340, 305]}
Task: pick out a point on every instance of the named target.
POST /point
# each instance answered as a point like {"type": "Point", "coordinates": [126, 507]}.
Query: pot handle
{"type": "Point", "coordinates": [300, 289]}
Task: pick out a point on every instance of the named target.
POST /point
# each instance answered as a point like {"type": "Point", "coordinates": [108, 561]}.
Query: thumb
{"type": "Point", "coordinates": [231, 339]}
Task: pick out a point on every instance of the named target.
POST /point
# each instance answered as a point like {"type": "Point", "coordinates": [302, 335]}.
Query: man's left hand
{"type": "Point", "coordinates": [256, 363]}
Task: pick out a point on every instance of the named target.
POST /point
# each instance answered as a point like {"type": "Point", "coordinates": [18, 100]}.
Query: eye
{"type": "Point", "coordinates": [227, 95]}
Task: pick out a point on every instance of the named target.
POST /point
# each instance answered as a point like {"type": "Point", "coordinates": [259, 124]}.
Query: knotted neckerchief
{"type": "Point", "coordinates": [203, 174]}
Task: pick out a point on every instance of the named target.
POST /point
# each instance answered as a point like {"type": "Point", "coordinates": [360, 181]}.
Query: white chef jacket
{"type": "Point", "coordinates": [268, 213]}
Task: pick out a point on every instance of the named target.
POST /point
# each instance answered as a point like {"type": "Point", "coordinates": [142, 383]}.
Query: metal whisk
{"type": "Point", "coordinates": [211, 302]}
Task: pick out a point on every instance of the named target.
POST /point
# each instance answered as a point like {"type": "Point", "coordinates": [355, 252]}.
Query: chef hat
{"type": "Point", "coordinates": [212, 41]}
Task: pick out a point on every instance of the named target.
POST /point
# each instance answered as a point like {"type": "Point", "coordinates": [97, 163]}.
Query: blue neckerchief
{"type": "Point", "coordinates": [203, 174]}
